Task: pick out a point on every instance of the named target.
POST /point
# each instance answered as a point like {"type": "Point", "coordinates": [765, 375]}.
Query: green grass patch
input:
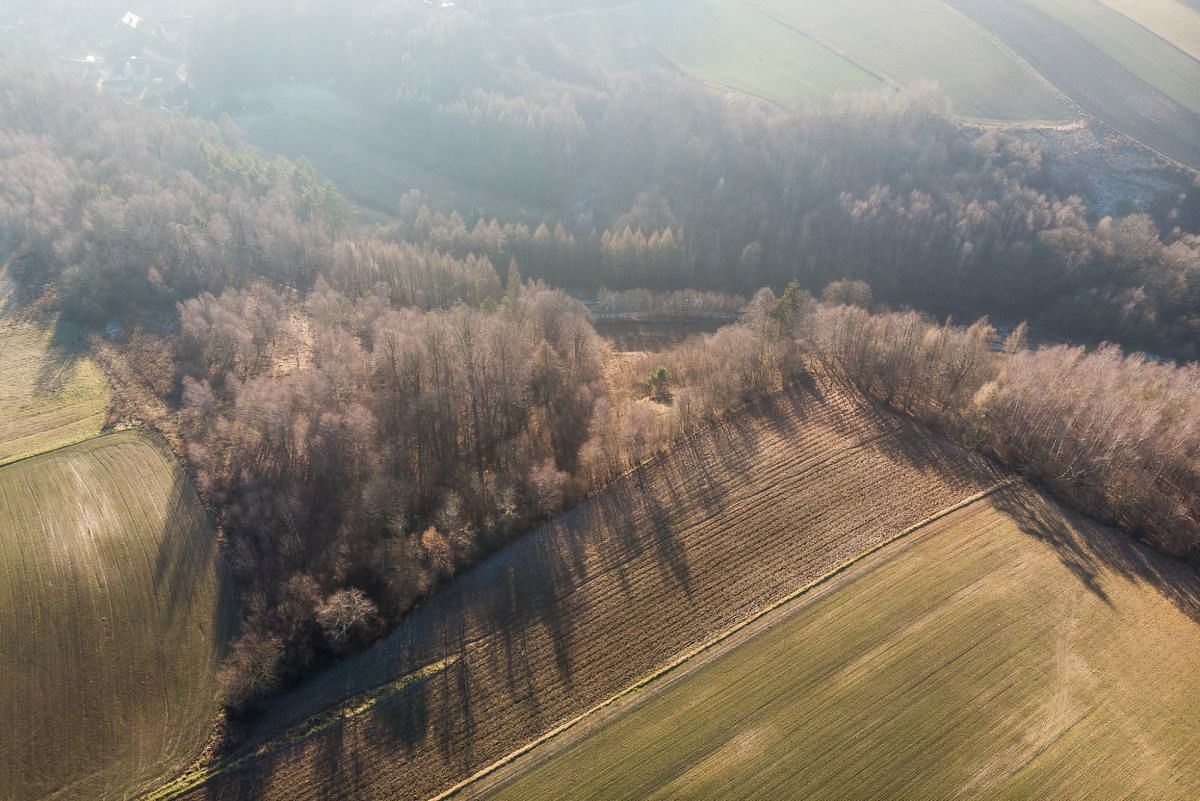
{"type": "Point", "coordinates": [729, 42]}
{"type": "Point", "coordinates": [1006, 653]}
{"type": "Point", "coordinates": [1151, 58]}
{"type": "Point", "coordinates": [915, 40]}
{"type": "Point", "coordinates": [51, 393]}
{"type": "Point", "coordinates": [113, 614]}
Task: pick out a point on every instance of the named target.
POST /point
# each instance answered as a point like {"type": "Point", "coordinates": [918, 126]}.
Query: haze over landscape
{"type": "Point", "coordinates": [595, 399]}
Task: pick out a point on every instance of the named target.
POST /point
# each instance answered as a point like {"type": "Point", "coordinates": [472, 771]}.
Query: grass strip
{"type": "Point", "coordinates": [713, 642]}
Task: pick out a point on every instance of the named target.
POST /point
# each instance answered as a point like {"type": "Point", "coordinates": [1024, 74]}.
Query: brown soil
{"type": "Point", "coordinates": [728, 521]}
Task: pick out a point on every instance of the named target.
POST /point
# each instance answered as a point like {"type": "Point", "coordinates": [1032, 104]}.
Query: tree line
{"type": "Point", "coordinates": [662, 182]}
{"type": "Point", "coordinates": [372, 409]}
{"type": "Point", "coordinates": [1116, 435]}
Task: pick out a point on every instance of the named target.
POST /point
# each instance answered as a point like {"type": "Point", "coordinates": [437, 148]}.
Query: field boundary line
{"type": "Point", "coordinates": [838, 52]}
{"type": "Point", "coordinates": [196, 775]}
{"type": "Point", "coordinates": [1003, 44]}
{"type": "Point", "coordinates": [717, 639]}
{"type": "Point", "coordinates": [58, 448]}
{"type": "Point", "coordinates": [1004, 47]}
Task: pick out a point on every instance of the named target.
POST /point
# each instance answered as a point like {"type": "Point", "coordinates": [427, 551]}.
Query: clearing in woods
{"type": "Point", "coordinates": [51, 394]}
{"type": "Point", "coordinates": [113, 614]}
{"type": "Point", "coordinates": [726, 523]}
{"type": "Point", "coordinates": [1008, 650]}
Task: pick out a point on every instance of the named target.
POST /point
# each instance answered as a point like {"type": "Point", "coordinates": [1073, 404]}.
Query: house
{"type": "Point", "coordinates": [131, 20]}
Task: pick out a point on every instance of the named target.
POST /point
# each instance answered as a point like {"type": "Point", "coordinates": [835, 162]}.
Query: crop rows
{"type": "Point", "coordinates": [51, 395]}
{"type": "Point", "coordinates": [1093, 79]}
{"type": "Point", "coordinates": [111, 617]}
{"type": "Point", "coordinates": [1005, 651]}
{"type": "Point", "coordinates": [693, 542]}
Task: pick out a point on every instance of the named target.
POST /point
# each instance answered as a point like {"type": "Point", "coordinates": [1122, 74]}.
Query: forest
{"type": "Point", "coordinates": [372, 408]}
{"type": "Point", "coordinates": [663, 182]}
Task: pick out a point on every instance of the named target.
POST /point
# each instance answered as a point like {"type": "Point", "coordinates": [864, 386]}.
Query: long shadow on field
{"type": "Point", "coordinates": [247, 782]}
{"type": "Point", "coordinates": [66, 348]}
{"type": "Point", "coordinates": [516, 632]}
{"type": "Point", "coordinates": [187, 553]}
{"type": "Point", "coordinates": [525, 600]}
{"type": "Point", "coordinates": [1093, 552]}
{"type": "Point", "coordinates": [917, 447]}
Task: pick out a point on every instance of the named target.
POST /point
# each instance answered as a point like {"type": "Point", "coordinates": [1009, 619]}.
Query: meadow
{"type": "Point", "coordinates": [686, 546]}
{"type": "Point", "coordinates": [1008, 650]}
{"type": "Point", "coordinates": [114, 614]}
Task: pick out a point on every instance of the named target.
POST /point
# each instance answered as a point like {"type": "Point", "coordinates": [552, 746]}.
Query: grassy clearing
{"type": "Point", "coordinates": [1008, 652]}
{"type": "Point", "coordinates": [1151, 58]}
{"type": "Point", "coordinates": [112, 616]}
{"type": "Point", "coordinates": [729, 42]}
{"type": "Point", "coordinates": [1172, 20]}
{"type": "Point", "coordinates": [652, 336]}
{"type": "Point", "coordinates": [51, 394]}
{"type": "Point", "coordinates": [926, 40]}
{"type": "Point", "coordinates": [687, 546]}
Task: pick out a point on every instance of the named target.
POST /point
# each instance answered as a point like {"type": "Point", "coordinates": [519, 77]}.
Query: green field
{"type": "Point", "coordinates": [926, 40]}
{"type": "Point", "coordinates": [51, 394]}
{"type": "Point", "coordinates": [1006, 651]}
{"type": "Point", "coordinates": [112, 617]}
{"type": "Point", "coordinates": [1170, 19]}
{"type": "Point", "coordinates": [1151, 58]}
{"type": "Point", "coordinates": [794, 50]}
{"type": "Point", "coordinates": [731, 43]}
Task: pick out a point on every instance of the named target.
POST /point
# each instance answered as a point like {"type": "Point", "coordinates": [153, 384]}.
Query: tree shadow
{"type": "Point", "coordinates": [188, 553]}
{"type": "Point", "coordinates": [66, 348]}
{"type": "Point", "coordinates": [516, 637]}
{"type": "Point", "coordinates": [245, 781]}
{"type": "Point", "coordinates": [1091, 551]}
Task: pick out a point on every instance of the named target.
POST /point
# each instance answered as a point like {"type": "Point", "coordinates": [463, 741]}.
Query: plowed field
{"type": "Point", "coordinates": [685, 547]}
{"type": "Point", "coordinates": [112, 617]}
{"type": "Point", "coordinates": [1008, 650]}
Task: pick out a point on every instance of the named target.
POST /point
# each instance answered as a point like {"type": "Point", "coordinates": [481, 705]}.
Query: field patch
{"type": "Point", "coordinates": [918, 40]}
{"type": "Point", "coordinates": [1092, 78]}
{"type": "Point", "coordinates": [692, 543]}
{"type": "Point", "coordinates": [1172, 20]}
{"type": "Point", "coordinates": [1008, 650]}
{"type": "Point", "coordinates": [51, 394]}
{"type": "Point", "coordinates": [729, 42]}
{"type": "Point", "coordinates": [1151, 58]}
{"type": "Point", "coordinates": [112, 617]}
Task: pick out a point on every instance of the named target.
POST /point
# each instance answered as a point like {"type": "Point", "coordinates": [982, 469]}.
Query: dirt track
{"type": "Point", "coordinates": [726, 523]}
